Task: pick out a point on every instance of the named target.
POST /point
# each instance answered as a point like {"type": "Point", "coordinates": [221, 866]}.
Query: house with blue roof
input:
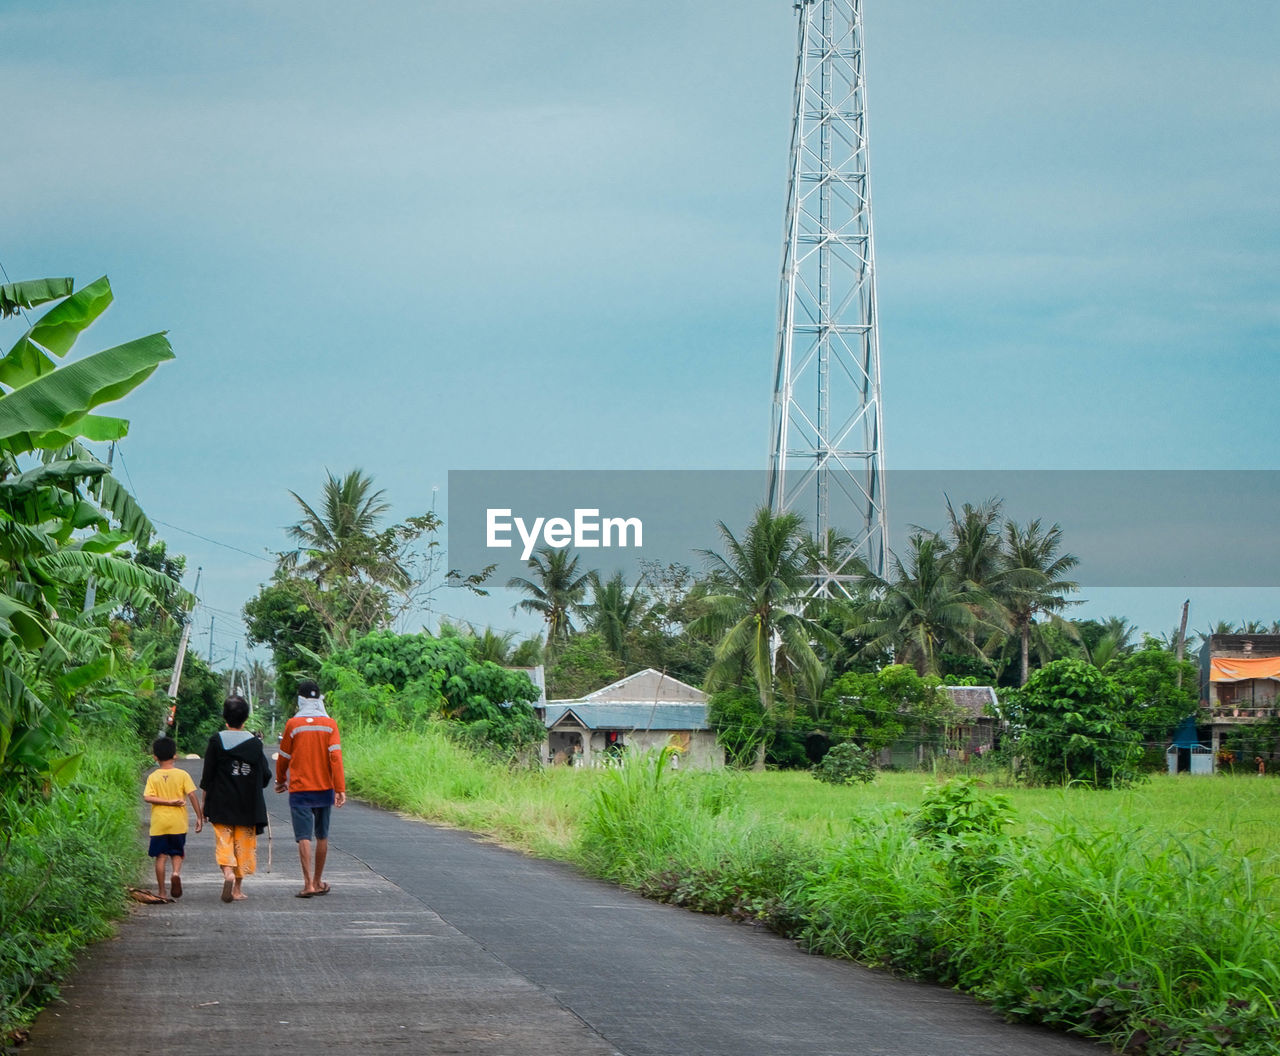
{"type": "Point", "coordinates": [646, 710]}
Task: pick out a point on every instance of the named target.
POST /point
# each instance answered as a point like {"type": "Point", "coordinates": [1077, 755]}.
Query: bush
{"type": "Point", "coordinates": [847, 764]}
{"type": "Point", "coordinates": [64, 865]}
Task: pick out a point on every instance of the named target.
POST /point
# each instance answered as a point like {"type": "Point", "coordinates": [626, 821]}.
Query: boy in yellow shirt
{"type": "Point", "coordinates": [168, 789]}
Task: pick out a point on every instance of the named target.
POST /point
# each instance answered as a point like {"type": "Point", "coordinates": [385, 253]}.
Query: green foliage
{"type": "Point", "coordinates": [62, 516]}
{"type": "Point", "coordinates": [280, 615]}
{"type": "Point", "coordinates": [580, 665]}
{"type": "Point", "coordinates": [64, 863]}
{"type": "Point", "coordinates": [847, 764]}
{"type": "Point", "coordinates": [1154, 701]}
{"type": "Point", "coordinates": [874, 710]}
{"type": "Point", "coordinates": [399, 679]}
{"type": "Point", "coordinates": [740, 725]}
{"type": "Point", "coordinates": [1069, 721]}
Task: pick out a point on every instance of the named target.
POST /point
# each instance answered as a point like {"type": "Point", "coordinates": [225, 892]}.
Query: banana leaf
{"type": "Point", "coordinates": [15, 296]}
{"type": "Point", "coordinates": [54, 400]}
{"type": "Point", "coordinates": [52, 473]}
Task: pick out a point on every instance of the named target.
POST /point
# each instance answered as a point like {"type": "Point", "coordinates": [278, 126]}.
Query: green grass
{"type": "Point", "coordinates": [64, 864]}
{"type": "Point", "coordinates": [1148, 918]}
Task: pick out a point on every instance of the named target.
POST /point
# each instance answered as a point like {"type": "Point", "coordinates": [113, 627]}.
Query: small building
{"type": "Point", "coordinates": [980, 723]}
{"type": "Point", "coordinates": [975, 731]}
{"type": "Point", "coordinates": [646, 710]}
{"type": "Point", "coordinates": [1239, 680]}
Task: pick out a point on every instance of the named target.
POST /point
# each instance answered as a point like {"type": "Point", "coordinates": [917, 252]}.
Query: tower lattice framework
{"type": "Point", "coordinates": [827, 461]}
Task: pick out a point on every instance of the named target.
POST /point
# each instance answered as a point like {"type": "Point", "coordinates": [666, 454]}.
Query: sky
{"type": "Point", "coordinates": [443, 236]}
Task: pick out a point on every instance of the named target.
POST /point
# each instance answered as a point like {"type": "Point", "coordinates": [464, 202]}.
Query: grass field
{"type": "Point", "coordinates": [1147, 918]}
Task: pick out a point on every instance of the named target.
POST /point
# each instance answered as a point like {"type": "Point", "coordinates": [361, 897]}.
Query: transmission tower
{"type": "Point", "coordinates": [827, 462]}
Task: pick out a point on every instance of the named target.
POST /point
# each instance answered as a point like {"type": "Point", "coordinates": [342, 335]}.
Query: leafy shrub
{"type": "Point", "coordinates": [847, 764]}
{"type": "Point", "coordinates": [64, 863]}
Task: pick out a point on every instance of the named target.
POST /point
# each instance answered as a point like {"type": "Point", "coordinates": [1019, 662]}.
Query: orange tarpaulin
{"type": "Point", "coordinates": [1232, 669]}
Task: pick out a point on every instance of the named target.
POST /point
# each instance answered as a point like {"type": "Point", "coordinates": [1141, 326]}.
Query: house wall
{"type": "Point", "coordinates": [699, 750]}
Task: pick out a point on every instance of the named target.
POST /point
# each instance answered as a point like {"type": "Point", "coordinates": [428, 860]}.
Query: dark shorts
{"type": "Point", "coordinates": [173, 844]}
{"type": "Point", "coordinates": [310, 812]}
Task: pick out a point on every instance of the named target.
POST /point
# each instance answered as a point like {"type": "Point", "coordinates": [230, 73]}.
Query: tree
{"type": "Point", "coordinates": [756, 609]}
{"type": "Point", "coordinates": [580, 666]}
{"type": "Point", "coordinates": [347, 566]}
{"type": "Point", "coordinates": [1070, 725]}
{"type": "Point", "coordinates": [921, 611]}
{"type": "Point", "coordinates": [1034, 582]}
{"type": "Point", "coordinates": [875, 709]}
{"type": "Point", "coordinates": [614, 611]}
{"type": "Point", "coordinates": [62, 517]}
{"type": "Point", "coordinates": [555, 592]}
{"type": "Point", "coordinates": [1156, 698]}
{"type": "Point", "coordinates": [428, 677]}
{"type": "Point", "coordinates": [281, 615]}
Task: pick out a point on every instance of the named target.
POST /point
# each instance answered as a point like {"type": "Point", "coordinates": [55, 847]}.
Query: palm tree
{"type": "Point", "coordinates": [1033, 582]}
{"type": "Point", "coordinates": [557, 592]}
{"type": "Point", "coordinates": [974, 554]}
{"type": "Point", "coordinates": [613, 610]}
{"type": "Point", "coordinates": [341, 542]}
{"type": "Point", "coordinates": [756, 609]}
{"type": "Point", "coordinates": [1116, 640]}
{"type": "Point", "coordinates": [922, 610]}
{"type": "Point", "coordinates": [344, 561]}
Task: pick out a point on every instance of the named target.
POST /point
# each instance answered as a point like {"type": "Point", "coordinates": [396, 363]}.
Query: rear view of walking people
{"type": "Point", "coordinates": [235, 772]}
{"type": "Point", "coordinates": [310, 766]}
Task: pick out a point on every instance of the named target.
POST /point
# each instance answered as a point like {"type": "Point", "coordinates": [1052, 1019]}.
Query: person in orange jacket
{"type": "Point", "coordinates": [310, 767]}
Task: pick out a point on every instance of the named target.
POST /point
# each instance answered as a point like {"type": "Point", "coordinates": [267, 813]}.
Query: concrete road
{"type": "Point", "coordinates": [433, 941]}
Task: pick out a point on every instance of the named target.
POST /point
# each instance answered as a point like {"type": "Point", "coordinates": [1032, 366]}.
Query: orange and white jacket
{"type": "Point", "coordinates": [311, 753]}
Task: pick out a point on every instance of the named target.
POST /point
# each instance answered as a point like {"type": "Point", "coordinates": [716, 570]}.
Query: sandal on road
{"type": "Point", "coordinates": [322, 890]}
{"type": "Point", "coordinates": [175, 887]}
{"type": "Point", "coordinates": [227, 885]}
{"type": "Point", "coordinates": [304, 894]}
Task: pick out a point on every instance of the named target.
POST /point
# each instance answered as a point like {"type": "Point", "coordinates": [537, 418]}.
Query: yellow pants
{"type": "Point", "coordinates": [236, 846]}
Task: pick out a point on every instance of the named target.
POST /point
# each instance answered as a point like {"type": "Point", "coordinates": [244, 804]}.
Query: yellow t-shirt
{"type": "Point", "coordinates": [173, 783]}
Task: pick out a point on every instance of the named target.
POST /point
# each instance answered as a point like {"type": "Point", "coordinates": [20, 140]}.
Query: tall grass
{"type": "Point", "coordinates": [1147, 918]}
{"type": "Point", "coordinates": [64, 863]}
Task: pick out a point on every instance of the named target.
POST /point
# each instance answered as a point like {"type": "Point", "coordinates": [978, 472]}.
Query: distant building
{"type": "Point", "coordinates": [644, 710]}
{"type": "Point", "coordinates": [1239, 679]}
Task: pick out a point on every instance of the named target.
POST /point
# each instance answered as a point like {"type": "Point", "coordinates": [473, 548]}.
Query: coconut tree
{"type": "Point", "coordinates": [613, 611]}
{"type": "Point", "coordinates": [346, 563]}
{"type": "Point", "coordinates": [554, 593]}
{"type": "Point", "coordinates": [921, 610]}
{"type": "Point", "coordinates": [757, 611]}
{"type": "Point", "coordinates": [1033, 582]}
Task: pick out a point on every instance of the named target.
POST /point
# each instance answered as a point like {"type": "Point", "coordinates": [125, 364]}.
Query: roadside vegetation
{"type": "Point", "coordinates": [87, 605]}
{"type": "Point", "coordinates": [1145, 918]}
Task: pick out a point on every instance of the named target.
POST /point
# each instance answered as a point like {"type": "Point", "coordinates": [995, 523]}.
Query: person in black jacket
{"type": "Point", "coordinates": [235, 773]}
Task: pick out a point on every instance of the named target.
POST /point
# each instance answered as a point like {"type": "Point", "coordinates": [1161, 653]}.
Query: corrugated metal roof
{"type": "Point", "coordinates": [630, 715]}
{"type": "Point", "coordinates": [975, 701]}
{"type": "Point", "coordinates": [651, 685]}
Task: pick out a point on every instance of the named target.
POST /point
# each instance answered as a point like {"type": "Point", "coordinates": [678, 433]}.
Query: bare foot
{"type": "Point", "coordinates": [239, 896]}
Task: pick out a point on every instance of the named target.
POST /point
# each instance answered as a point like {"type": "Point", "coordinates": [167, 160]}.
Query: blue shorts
{"type": "Point", "coordinates": [310, 812]}
{"type": "Point", "coordinates": [174, 844]}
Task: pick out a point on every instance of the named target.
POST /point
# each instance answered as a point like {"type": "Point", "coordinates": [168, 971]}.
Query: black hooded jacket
{"type": "Point", "coordinates": [235, 773]}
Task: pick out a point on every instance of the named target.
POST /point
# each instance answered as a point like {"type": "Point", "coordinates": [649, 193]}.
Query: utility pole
{"type": "Point", "coordinates": [1181, 646]}
{"type": "Point", "coordinates": [180, 659]}
{"type": "Point", "coordinates": [231, 679]}
{"type": "Point", "coordinates": [826, 458]}
{"type": "Point", "coordinates": [210, 640]}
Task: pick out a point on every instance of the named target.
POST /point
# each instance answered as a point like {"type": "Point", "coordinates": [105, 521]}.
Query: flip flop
{"type": "Point", "coordinates": [175, 887]}
{"type": "Point", "coordinates": [324, 889]}
{"type": "Point", "coordinates": [227, 885]}
{"type": "Point", "coordinates": [304, 894]}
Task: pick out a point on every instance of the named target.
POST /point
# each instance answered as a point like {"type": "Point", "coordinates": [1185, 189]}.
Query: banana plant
{"type": "Point", "coordinates": [62, 516]}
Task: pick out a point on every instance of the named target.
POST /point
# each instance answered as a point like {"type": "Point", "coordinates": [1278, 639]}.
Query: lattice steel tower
{"type": "Point", "coordinates": [827, 462]}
